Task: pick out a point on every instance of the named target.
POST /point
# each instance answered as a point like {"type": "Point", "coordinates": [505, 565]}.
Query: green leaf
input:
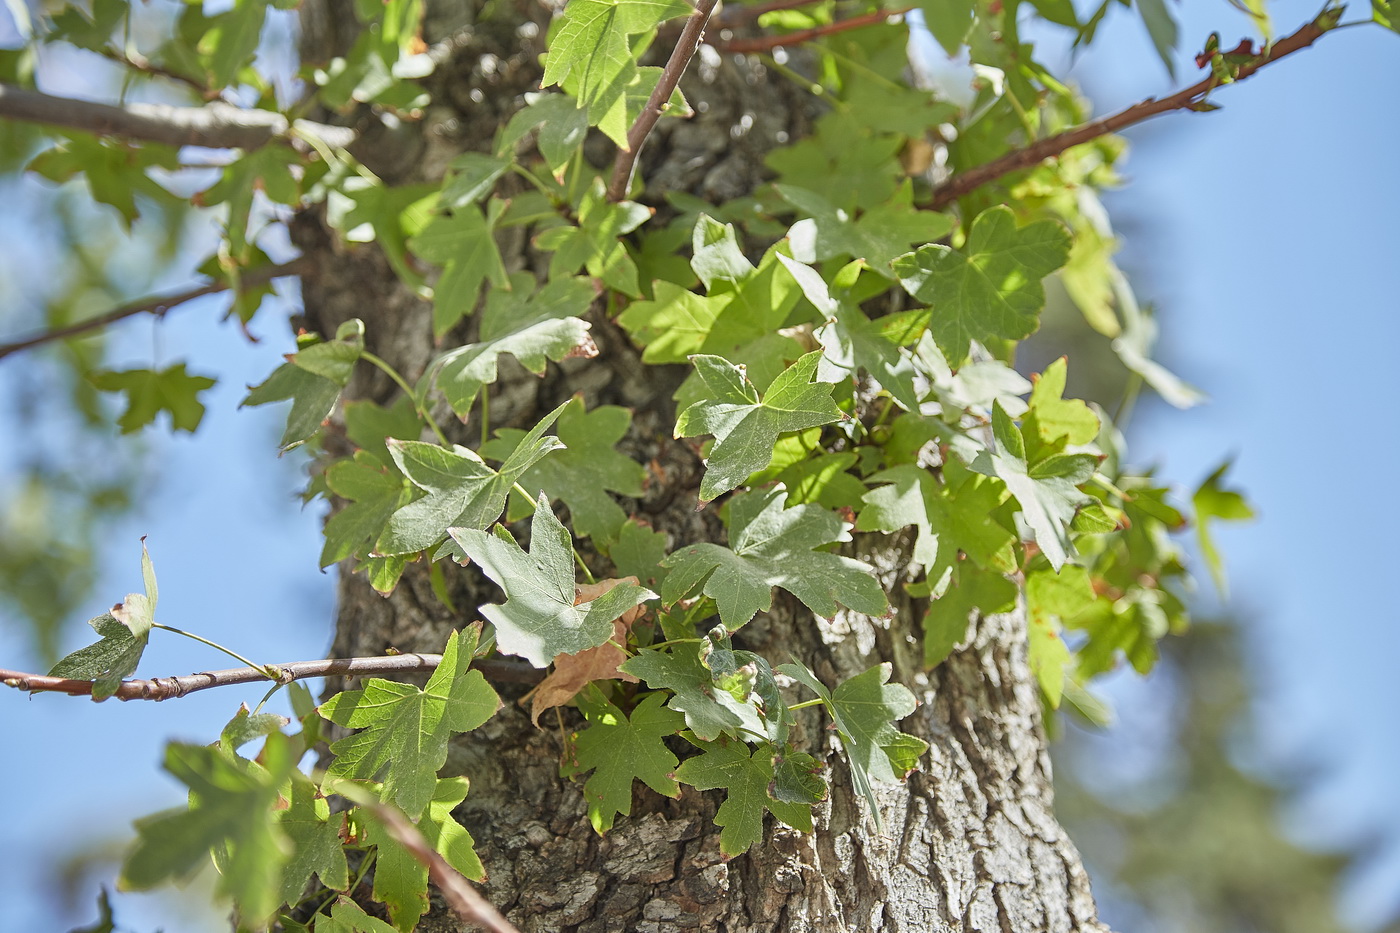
{"type": "Point", "coordinates": [638, 552]}
{"type": "Point", "coordinates": [563, 126]}
{"type": "Point", "coordinates": [269, 169]}
{"type": "Point", "coordinates": [348, 917]}
{"type": "Point", "coordinates": [949, 21]}
{"type": "Point", "coordinates": [245, 726]}
{"type": "Point", "coordinates": [404, 730]}
{"type": "Point", "coordinates": [1051, 601]}
{"type": "Point", "coordinates": [956, 514]}
{"type": "Point", "coordinates": [823, 480]}
{"type": "Point", "coordinates": [123, 633]}
{"type": "Point", "coordinates": [745, 428]}
{"type": "Point", "coordinates": [591, 47]}
{"type": "Point", "coordinates": [851, 341]}
{"type": "Point", "coordinates": [232, 39]}
{"type": "Point", "coordinates": [539, 620]}
{"type": "Point", "coordinates": [462, 242]}
{"type": "Point", "coordinates": [400, 880]}
{"type": "Point", "coordinates": [769, 546]}
{"type": "Point", "coordinates": [991, 290]}
{"type": "Point", "coordinates": [1213, 501]}
{"type": "Point", "coordinates": [149, 393]}
{"type": "Point", "coordinates": [969, 590]}
{"type": "Point", "coordinates": [462, 491]}
{"type": "Point", "coordinates": [745, 778]}
{"type": "Point", "coordinates": [474, 174]}
{"type": "Point", "coordinates": [372, 495]}
{"type": "Point", "coordinates": [1047, 491]}
{"type": "Point", "coordinates": [584, 471]}
{"type": "Point", "coordinates": [620, 748]}
{"type": "Point", "coordinates": [532, 328]}
{"type": "Point", "coordinates": [1161, 26]}
{"type": "Point", "coordinates": [115, 169]}
{"type": "Point", "coordinates": [879, 236]}
{"type": "Point", "coordinates": [232, 809]}
{"type": "Point", "coordinates": [596, 243]}
{"type": "Point", "coordinates": [709, 710]}
{"type": "Point", "coordinates": [312, 378]}
{"type": "Point", "coordinates": [1055, 418]}
{"type": "Point", "coordinates": [316, 845]}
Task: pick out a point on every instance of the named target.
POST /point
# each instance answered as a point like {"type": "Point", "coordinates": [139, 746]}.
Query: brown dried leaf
{"type": "Point", "coordinates": [573, 672]}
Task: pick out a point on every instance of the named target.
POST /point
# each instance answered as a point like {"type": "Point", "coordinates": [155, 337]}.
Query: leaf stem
{"type": "Point", "coordinates": [805, 704]}
{"type": "Point", "coordinates": [418, 405]}
{"type": "Point", "coordinates": [267, 671]}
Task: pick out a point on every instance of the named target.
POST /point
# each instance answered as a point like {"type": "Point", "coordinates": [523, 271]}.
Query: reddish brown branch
{"type": "Point", "coordinates": [157, 306]}
{"type": "Point", "coordinates": [166, 688]}
{"type": "Point", "coordinates": [456, 889]}
{"type": "Point", "coordinates": [670, 77]}
{"type": "Point", "coordinates": [1188, 99]}
{"type": "Point", "coordinates": [768, 43]}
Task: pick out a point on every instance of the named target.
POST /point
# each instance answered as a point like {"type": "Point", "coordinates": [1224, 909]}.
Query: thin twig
{"type": "Point", "coordinates": [1190, 98]}
{"type": "Point", "coordinates": [456, 889]}
{"type": "Point", "coordinates": [670, 77]}
{"type": "Point", "coordinates": [138, 62]}
{"type": "Point", "coordinates": [158, 305]}
{"type": "Point", "coordinates": [765, 43]}
{"type": "Point", "coordinates": [216, 125]}
{"type": "Point", "coordinates": [167, 688]}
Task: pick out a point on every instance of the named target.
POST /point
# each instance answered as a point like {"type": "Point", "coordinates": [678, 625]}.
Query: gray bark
{"type": "Point", "coordinates": [972, 842]}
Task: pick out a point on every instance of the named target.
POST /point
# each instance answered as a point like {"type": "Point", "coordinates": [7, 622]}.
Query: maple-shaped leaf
{"type": "Point", "coordinates": [952, 515]}
{"type": "Point", "coordinates": [881, 235]}
{"type": "Point", "coordinates": [563, 125]}
{"type": "Point", "coordinates": [372, 494]}
{"type": "Point", "coordinates": [531, 328]}
{"type": "Point", "coordinates": [149, 393]}
{"type": "Point", "coordinates": [582, 474]}
{"type": "Point", "coordinates": [864, 710]}
{"type": "Point", "coordinates": [232, 810]}
{"type": "Point", "coordinates": [619, 748]}
{"type": "Point", "coordinates": [404, 730]}
{"type": "Point", "coordinates": [990, 290]}
{"type": "Point", "coordinates": [745, 778]}
{"type": "Point", "coordinates": [464, 244]}
{"type": "Point", "coordinates": [461, 490]}
{"type": "Point", "coordinates": [1058, 421]}
{"type": "Point", "coordinates": [116, 169]}
{"type": "Point", "coordinates": [312, 378]}
{"type": "Point", "coordinates": [1213, 501]}
{"type": "Point", "coordinates": [969, 590]}
{"type": "Point", "coordinates": [638, 552]}
{"type": "Point", "coordinates": [317, 849]}
{"type": "Point", "coordinates": [370, 426]}
{"type": "Point", "coordinates": [769, 546]}
{"type": "Point", "coordinates": [850, 340]}
{"type": "Point", "coordinates": [1052, 600]}
{"type": "Point", "coordinates": [745, 428]}
{"type": "Point", "coordinates": [1047, 490]}
{"type": "Point", "coordinates": [592, 47]}
{"type": "Point", "coordinates": [400, 879]}
{"type": "Point", "coordinates": [709, 709]}
{"type": "Point", "coordinates": [573, 672]}
{"type": "Point", "coordinates": [124, 632]}
{"type": "Point", "coordinates": [348, 917]}
{"type": "Point", "coordinates": [539, 619]}
{"type": "Point", "coordinates": [595, 244]}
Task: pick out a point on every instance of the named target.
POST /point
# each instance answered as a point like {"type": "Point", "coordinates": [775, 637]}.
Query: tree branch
{"type": "Point", "coordinates": [216, 125]}
{"type": "Point", "coordinates": [1190, 98]}
{"type": "Point", "coordinates": [768, 43]}
{"type": "Point", "coordinates": [670, 77]}
{"type": "Point", "coordinates": [166, 688]}
{"type": "Point", "coordinates": [158, 305]}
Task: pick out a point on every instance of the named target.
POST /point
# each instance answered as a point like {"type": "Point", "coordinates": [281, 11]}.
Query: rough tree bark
{"type": "Point", "coordinates": [972, 841]}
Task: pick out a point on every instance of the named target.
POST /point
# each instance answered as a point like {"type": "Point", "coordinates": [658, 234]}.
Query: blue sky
{"type": "Point", "coordinates": [1273, 263]}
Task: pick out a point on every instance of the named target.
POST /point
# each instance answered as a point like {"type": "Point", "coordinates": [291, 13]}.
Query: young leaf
{"type": "Point", "coordinates": [582, 474]}
{"type": "Point", "coordinates": [532, 328]}
{"type": "Point", "coordinates": [745, 778]}
{"type": "Point", "coordinates": [620, 748]}
{"type": "Point", "coordinates": [405, 730]}
{"type": "Point", "coordinates": [746, 428]}
{"type": "Point", "coordinates": [769, 546]}
{"type": "Point", "coordinates": [708, 709]}
{"type": "Point", "coordinates": [595, 243]}
{"type": "Point", "coordinates": [149, 393]}
{"type": "Point", "coordinates": [462, 491]}
{"type": "Point", "coordinates": [124, 633]}
{"type": "Point", "coordinates": [539, 620]}
{"type": "Point", "coordinates": [991, 290]}
{"type": "Point", "coordinates": [233, 808]}
{"type": "Point", "coordinates": [1211, 501]}
{"type": "Point", "coordinates": [312, 378]}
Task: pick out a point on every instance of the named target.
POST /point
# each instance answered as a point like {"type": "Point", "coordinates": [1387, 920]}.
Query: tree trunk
{"type": "Point", "coordinates": [971, 844]}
